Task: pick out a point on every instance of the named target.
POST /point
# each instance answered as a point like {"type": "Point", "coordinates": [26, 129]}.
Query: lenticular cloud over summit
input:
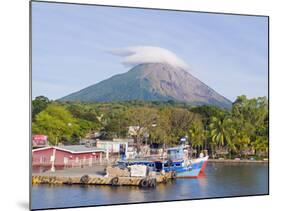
{"type": "Point", "coordinates": [148, 54]}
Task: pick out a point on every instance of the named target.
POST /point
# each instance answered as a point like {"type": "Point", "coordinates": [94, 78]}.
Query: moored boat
{"type": "Point", "coordinates": [191, 168]}
{"type": "Point", "coordinates": [176, 161]}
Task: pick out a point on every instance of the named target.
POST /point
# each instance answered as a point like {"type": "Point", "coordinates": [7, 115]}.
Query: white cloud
{"type": "Point", "coordinates": [148, 54]}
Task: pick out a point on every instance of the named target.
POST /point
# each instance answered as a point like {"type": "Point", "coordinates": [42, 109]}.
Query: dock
{"type": "Point", "coordinates": [96, 176]}
{"type": "Point", "coordinates": [102, 180]}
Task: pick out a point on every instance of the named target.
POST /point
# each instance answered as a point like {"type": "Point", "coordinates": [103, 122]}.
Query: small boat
{"type": "Point", "coordinates": [175, 162]}
{"type": "Point", "coordinates": [184, 167]}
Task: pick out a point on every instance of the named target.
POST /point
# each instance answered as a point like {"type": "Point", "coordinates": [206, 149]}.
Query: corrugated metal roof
{"type": "Point", "coordinates": [72, 149]}
{"type": "Point", "coordinates": [80, 148]}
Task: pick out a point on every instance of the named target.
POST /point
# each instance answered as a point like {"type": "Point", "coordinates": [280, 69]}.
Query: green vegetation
{"type": "Point", "coordinates": [38, 105]}
{"type": "Point", "coordinates": [241, 131]}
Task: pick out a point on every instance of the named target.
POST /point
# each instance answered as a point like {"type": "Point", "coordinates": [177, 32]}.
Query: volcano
{"type": "Point", "coordinates": [151, 82]}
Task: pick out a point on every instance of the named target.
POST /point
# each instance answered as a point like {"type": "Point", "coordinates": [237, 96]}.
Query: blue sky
{"type": "Point", "coordinates": [70, 44]}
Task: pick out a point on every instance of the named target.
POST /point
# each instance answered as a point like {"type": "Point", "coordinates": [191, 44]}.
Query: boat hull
{"type": "Point", "coordinates": [203, 167]}
{"type": "Point", "coordinates": [203, 161]}
{"type": "Point", "coordinates": [193, 170]}
{"type": "Point", "coordinates": [193, 173]}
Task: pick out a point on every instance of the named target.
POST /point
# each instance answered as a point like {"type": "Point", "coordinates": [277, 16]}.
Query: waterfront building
{"type": "Point", "coordinates": [67, 156]}
{"type": "Point", "coordinates": [114, 148]}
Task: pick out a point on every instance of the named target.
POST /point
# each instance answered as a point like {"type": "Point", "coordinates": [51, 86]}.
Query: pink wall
{"type": "Point", "coordinates": [42, 157]}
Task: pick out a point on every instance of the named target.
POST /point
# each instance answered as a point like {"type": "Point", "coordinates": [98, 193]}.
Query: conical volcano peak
{"type": "Point", "coordinates": [159, 69]}
{"type": "Point", "coordinates": [147, 67]}
{"type": "Point", "coordinates": [152, 82]}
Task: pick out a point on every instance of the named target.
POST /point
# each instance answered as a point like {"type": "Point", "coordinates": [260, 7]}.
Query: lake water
{"type": "Point", "coordinates": [220, 180]}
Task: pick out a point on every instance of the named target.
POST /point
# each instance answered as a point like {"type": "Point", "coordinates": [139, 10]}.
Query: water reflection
{"type": "Point", "coordinates": [219, 180]}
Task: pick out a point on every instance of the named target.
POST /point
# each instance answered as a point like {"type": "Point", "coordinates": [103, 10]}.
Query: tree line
{"type": "Point", "coordinates": [240, 131]}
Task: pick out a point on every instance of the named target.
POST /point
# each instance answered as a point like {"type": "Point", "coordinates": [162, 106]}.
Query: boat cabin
{"type": "Point", "coordinates": [175, 153]}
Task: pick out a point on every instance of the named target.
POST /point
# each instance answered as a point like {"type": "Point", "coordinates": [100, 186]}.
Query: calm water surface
{"type": "Point", "coordinates": [220, 180]}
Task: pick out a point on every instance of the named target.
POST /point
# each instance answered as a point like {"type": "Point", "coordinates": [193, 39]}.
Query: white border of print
{"type": "Point", "coordinates": [14, 110]}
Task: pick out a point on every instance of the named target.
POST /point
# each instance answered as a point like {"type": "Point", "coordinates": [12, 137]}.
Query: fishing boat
{"type": "Point", "coordinates": [183, 165]}
{"type": "Point", "coordinates": [176, 161]}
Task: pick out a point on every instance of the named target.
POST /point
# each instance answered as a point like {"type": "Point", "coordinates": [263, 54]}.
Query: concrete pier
{"type": "Point", "coordinates": [101, 180]}
{"type": "Point", "coordinates": [96, 176]}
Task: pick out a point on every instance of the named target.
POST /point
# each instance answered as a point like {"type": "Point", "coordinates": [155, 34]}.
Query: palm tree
{"type": "Point", "coordinates": [240, 140]}
{"type": "Point", "coordinates": [260, 145]}
{"type": "Point", "coordinates": [220, 132]}
{"type": "Point", "coordinates": [197, 135]}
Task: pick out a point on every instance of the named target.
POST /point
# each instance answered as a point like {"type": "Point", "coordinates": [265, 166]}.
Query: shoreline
{"type": "Point", "coordinates": [236, 161]}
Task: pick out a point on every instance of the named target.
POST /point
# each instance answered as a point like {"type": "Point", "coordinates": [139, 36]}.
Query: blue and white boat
{"type": "Point", "coordinates": [184, 167]}
{"type": "Point", "coordinates": [175, 162]}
